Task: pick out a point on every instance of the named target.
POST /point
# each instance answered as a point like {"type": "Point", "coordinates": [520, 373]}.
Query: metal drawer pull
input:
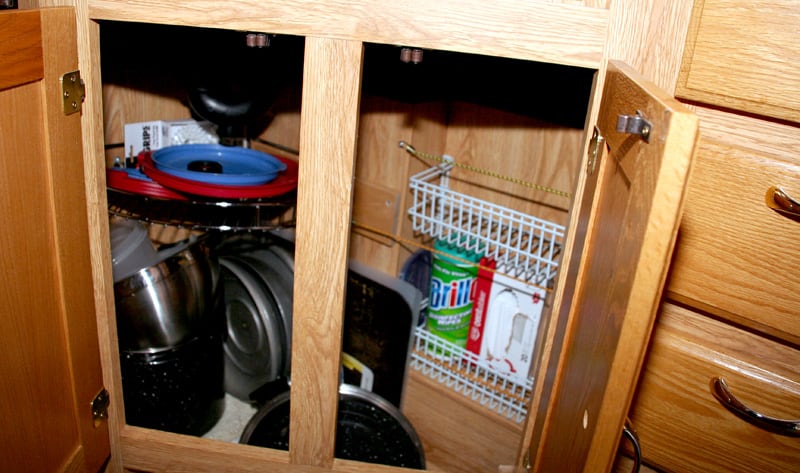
{"type": "Point", "coordinates": [777, 426]}
{"type": "Point", "coordinates": [633, 437]}
{"type": "Point", "coordinates": [780, 201]}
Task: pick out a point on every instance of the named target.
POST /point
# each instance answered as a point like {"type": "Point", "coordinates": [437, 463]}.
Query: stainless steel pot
{"type": "Point", "coordinates": [170, 302]}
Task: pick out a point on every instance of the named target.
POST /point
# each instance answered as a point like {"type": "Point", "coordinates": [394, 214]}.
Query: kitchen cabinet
{"type": "Point", "coordinates": [597, 334]}
{"type": "Point", "coordinates": [729, 311]}
{"type": "Point", "coordinates": [680, 423]}
{"type": "Point", "coordinates": [51, 364]}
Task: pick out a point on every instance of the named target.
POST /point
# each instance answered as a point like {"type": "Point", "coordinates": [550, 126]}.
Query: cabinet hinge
{"type": "Point", "coordinates": [100, 407]}
{"type": "Point", "coordinates": [73, 92]}
{"type": "Point", "coordinates": [595, 147]}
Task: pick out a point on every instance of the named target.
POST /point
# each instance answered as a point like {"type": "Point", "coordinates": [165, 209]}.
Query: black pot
{"type": "Point", "coordinates": [234, 86]}
{"type": "Point", "coordinates": [177, 389]}
{"type": "Point", "coordinates": [369, 428]}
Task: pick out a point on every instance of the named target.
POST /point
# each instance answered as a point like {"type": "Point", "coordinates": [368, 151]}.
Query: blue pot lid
{"type": "Point", "coordinates": [226, 165]}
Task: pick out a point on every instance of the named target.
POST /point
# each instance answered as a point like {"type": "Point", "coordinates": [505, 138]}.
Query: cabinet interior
{"type": "Point", "coordinates": [516, 119]}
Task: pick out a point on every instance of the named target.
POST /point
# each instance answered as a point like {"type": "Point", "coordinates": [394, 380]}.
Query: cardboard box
{"type": "Point", "coordinates": [505, 321]}
{"type": "Point", "coordinates": [150, 136]}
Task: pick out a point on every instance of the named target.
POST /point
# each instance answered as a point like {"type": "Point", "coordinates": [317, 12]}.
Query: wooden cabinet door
{"type": "Point", "coordinates": [50, 366]}
{"type": "Point", "coordinates": [624, 231]}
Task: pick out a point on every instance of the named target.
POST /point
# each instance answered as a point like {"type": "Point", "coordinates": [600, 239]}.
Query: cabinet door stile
{"type": "Point", "coordinates": [51, 372]}
{"type": "Point", "coordinates": [328, 130]}
{"type": "Point", "coordinates": [630, 231]}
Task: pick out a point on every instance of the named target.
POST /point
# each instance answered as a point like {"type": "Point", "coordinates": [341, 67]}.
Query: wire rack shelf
{"type": "Point", "coordinates": [468, 374]}
{"type": "Point", "coordinates": [527, 245]}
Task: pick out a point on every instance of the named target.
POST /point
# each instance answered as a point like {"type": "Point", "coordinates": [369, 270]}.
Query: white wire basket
{"type": "Point", "coordinates": [466, 373]}
{"type": "Point", "coordinates": [525, 244]}
{"type": "Point", "coordinates": [526, 247]}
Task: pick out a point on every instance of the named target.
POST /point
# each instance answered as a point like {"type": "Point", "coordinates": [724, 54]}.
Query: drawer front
{"type": "Point", "coordinates": [743, 54]}
{"type": "Point", "coordinates": [683, 428]}
{"type": "Point", "coordinates": [735, 257]}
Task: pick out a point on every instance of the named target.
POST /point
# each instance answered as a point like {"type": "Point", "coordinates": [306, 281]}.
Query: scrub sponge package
{"type": "Point", "coordinates": [505, 321]}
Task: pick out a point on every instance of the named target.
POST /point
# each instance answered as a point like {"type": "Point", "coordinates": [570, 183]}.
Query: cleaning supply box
{"type": "Point", "coordinates": [505, 320]}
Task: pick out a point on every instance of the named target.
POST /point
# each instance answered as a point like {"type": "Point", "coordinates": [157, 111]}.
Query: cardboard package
{"type": "Point", "coordinates": [153, 135]}
{"type": "Point", "coordinates": [505, 321]}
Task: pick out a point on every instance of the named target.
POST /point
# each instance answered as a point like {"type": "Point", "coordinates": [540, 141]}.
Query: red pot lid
{"type": "Point", "coordinates": [135, 182]}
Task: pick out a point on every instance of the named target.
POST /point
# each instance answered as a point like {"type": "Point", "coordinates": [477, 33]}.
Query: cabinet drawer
{"type": "Point", "coordinates": [682, 427]}
{"type": "Point", "coordinates": [743, 54]}
{"type": "Point", "coordinates": [735, 257]}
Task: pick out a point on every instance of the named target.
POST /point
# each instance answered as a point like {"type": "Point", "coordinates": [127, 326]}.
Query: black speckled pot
{"type": "Point", "coordinates": [369, 428]}
{"type": "Point", "coordinates": [178, 389]}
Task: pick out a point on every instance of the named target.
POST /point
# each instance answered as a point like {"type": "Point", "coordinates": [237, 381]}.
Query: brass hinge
{"type": "Point", "coordinates": [100, 407]}
{"type": "Point", "coordinates": [73, 92]}
{"type": "Point", "coordinates": [595, 147]}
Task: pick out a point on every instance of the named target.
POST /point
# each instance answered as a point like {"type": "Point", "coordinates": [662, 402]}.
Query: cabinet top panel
{"type": "Point", "coordinates": [540, 31]}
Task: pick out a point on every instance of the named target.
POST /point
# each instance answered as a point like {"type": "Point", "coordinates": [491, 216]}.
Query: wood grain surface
{"type": "Point", "coordinates": [565, 33]}
{"type": "Point", "coordinates": [680, 424]}
{"type": "Point", "coordinates": [459, 435]}
{"type": "Point", "coordinates": [332, 80]}
{"type": "Point", "coordinates": [568, 32]}
{"type": "Point", "coordinates": [778, 140]}
{"type": "Point", "coordinates": [22, 57]}
{"type": "Point", "coordinates": [743, 55]}
{"type": "Point", "coordinates": [629, 233]}
{"type": "Point", "coordinates": [52, 364]}
{"type": "Point", "coordinates": [737, 258]}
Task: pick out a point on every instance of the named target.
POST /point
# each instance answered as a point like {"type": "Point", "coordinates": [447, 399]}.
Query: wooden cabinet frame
{"type": "Point", "coordinates": [575, 35]}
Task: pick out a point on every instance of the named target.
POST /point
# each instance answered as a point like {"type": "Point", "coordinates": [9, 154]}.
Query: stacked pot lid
{"type": "Point", "coordinates": [220, 172]}
{"type": "Point", "coordinates": [206, 171]}
{"type": "Point", "coordinates": [258, 307]}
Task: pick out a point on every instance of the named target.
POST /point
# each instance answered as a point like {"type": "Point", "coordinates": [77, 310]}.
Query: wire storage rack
{"type": "Point", "coordinates": [526, 246]}
{"type": "Point", "coordinates": [468, 374]}
{"type": "Point", "coordinates": [233, 215]}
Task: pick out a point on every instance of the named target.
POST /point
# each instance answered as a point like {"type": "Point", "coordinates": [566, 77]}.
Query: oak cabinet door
{"type": "Point", "coordinates": [613, 275]}
{"type": "Point", "coordinates": [50, 366]}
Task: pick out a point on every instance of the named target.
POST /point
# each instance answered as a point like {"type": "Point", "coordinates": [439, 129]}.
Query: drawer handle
{"type": "Point", "coordinates": [633, 437]}
{"type": "Point", "coordinates": [780, 201]}
{"type": "Point", "coordinates": [777, 426]}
